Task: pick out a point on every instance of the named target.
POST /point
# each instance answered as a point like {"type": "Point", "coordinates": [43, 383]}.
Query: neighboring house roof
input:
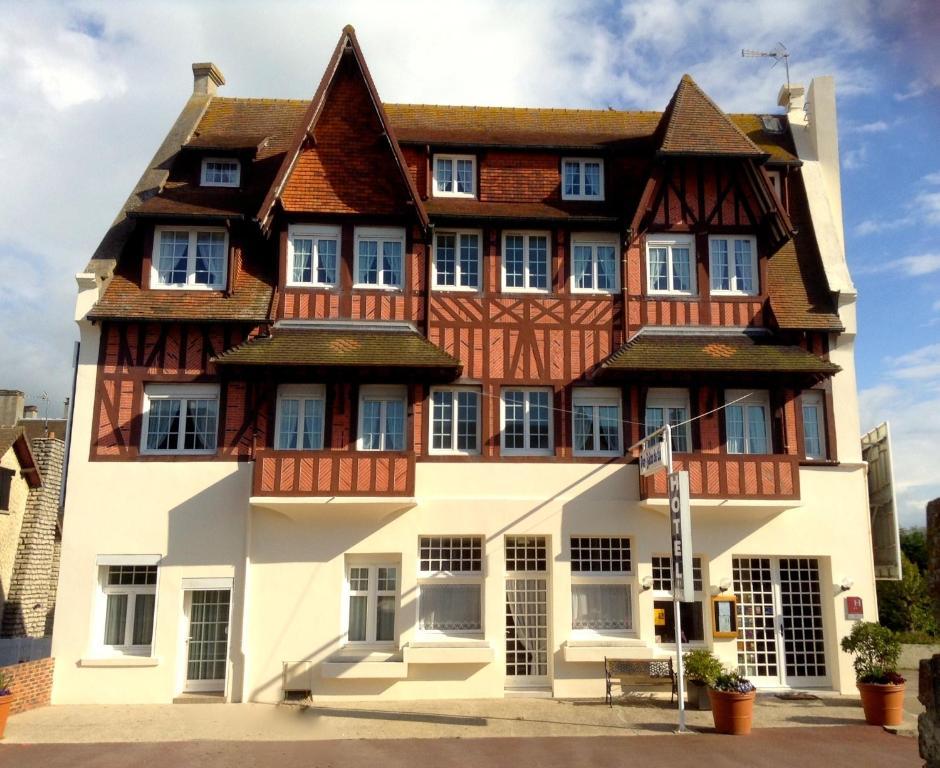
{"type": "Point", "coordinates": [694, 125]}
{"type": "Point", "coordinates": [15, 438]}
{"type": "Point", "coordinates": [703, 353]}
{"type": "Point", "coordinates": [340, 344]}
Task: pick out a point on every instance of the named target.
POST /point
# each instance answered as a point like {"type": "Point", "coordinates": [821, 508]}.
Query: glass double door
{"type": "Point", "coordinates": [207, 639]}
{"type": "Point", "coordinates": [781, 641]}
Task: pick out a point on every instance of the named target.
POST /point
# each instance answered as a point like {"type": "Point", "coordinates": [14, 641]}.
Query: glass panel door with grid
{"type": "Point", "coordinates": [780, 622]}
{"type": "Point", "coordinates": [207, 644]}
{"type": "Point", "coordinates": [526, 611]}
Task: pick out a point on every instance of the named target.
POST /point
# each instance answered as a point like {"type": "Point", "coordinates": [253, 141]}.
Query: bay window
{"type": "Point", "coordinates": [582, 178]}
{"type": "Point", "coordinates": [312, 255]}
{"type": "Point", "coordinates": [814, 424]}
{"type": "Point", "coordinates": [747, 422]}
{"type": "Point", "coordinates": [189, 258]}
{"type": "Point", "coordinates": [692, 613]}
{"type": "Point", "coordinates": [180, 418]}
{"type": "Point", "coordinates": [456, 262]}
{"type": "Point", "coordinates": [527, 421]}
{"type": "Point", "coordinates": [372, 601]}
{"type": "Point", "coordinates": [450, 585]}
{"type": "Point", "coordinates": [597, 424]}
{"type": "Point", "coordinates": [379, 260]}
{"type": "Point", "coordinates": [455, 175]}
{"type": "Point", "coordinates": [601, 585]}
{"type": "Point", "coordinates": [300, 410]}
{"type": "Point", "coordinates": [670, 265]}
{"type": "Point", "coordinates": [525, 261]}
{"type": "Point", "coordinates": [670, 406]}
{"type": "Point", "coordinates": [733, 265]}
{"type": "Point", "coordinates": [594, 265]}
{"type": "Point", "coordinates": [382, 418]}
{"type": "Point", "coordinates": [455, 420]}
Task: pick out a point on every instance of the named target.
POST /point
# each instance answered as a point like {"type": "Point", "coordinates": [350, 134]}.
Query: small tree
{"type": "Point", "coordinates": [904, 605]}
{"type": "Point", "coordinates": [876, 651]}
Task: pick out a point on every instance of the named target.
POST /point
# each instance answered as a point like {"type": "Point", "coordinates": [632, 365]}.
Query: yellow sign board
{"type": "Point", "coordinates": [659, 617]}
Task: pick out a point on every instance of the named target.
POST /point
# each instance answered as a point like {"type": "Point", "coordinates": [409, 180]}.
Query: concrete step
{"type": "Point", "coordinates": [206, 697]}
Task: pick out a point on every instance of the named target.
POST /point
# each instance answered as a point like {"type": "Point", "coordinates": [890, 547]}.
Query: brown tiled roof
{"type": "Point", "coordinates": [180, 198]}
{"type": "Point", "coordinates": [339, 346]}
{"type": "Point", "coordinates": [276, 119]}
{"type": "Point", "coordinates": [796, 283]}
{"type": "Point", "coordinates": [779, 146]}
{"type": "Point", "coordinates": [15, 438]}
{"type": "Point", "coordinates": [714, 353]}
{"type": "Point", "coordinates": [694, 125]}
{"type": "Point", "coordinates": [227, 141]}
{"type": "Point", "coordinates": [455, 207]}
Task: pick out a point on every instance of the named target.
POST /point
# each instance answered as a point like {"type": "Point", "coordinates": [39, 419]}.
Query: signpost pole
{"type": "Point", "coordinates": [677, 613]}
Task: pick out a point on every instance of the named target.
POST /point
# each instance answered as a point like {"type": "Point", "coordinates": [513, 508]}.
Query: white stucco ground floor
{"type": "Point", "coordinates": [493, 578]}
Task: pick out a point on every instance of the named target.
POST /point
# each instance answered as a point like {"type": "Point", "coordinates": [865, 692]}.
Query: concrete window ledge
{"type": "Point", "coordinates": [346, 669]}
{"type": "Point", "coordinates": [591, 650]}
{"type": "Point", "coordinates": [449, 652]}
{"type": "Point", "coordinates": [120, 661]}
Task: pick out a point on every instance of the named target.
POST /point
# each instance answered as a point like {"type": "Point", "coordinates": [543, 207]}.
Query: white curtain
{"type": "Point", "coordinates": [449, 607]}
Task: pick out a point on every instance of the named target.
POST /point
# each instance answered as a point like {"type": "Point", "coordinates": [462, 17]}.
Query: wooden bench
{"type": "Point", "coordinates": [638, 672]}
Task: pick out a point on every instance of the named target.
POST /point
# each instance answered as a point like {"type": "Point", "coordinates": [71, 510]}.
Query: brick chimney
{"type": "Point", "coordinates": [11, 407]}
{"type": "Point", "coordinates": [207, 78]}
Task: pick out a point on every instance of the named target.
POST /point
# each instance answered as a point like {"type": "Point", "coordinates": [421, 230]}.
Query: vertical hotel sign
{"type": "Point", "coordinates": [680, 525]}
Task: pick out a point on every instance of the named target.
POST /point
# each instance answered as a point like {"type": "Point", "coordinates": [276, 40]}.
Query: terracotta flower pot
{"type": "Point", "coordinates": [733, 712]}
{"type": "Point", "coordinates": [5, 703]}
{"type": "Point", "coordinates": [883, 703]}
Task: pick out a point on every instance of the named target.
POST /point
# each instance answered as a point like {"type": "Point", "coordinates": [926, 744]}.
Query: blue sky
{"type": "Point", "coordinates": [92, 87]}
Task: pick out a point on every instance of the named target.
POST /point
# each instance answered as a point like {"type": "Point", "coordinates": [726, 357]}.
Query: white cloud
{"type": "Point", "coordinates": [855, 158]}
{"type": "Point", "coordinates": [908, 266]}
{"type": "Point", "coordinates": [878, 126]}
{"type": "Point", "coordinates": [932, 178]}
{"type": "Point", "coordinates": [914, 90]}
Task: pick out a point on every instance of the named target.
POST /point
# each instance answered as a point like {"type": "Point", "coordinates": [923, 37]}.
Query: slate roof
{"type": "Point", "coordinates": [339, 346]}
{"type": "Point", "coordinates": [742, 353]}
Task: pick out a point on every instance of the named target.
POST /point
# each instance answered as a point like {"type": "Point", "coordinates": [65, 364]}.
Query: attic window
{"type": "Point", "coordinates": [772, 123]}
{"type": "Point", "coordinates": [582, 179]}
{"type": "Point", "coordinates": [455, 175]}
{"type": "Point", "coordinates": [220, 172]}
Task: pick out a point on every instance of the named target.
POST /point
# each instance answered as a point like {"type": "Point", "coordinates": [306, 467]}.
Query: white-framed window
{"type": "Point", "coordinates": [526, 421]}
{"type": "Point", "coordinates": [382, 418]}
{"type": "Point", "coordinates": [455, 176]}
{"type": "Point", "coordinates": [692, 613]}
{"type": "Point", "coordinates": [129, 595]}
{"type": "Point", "coordinates": [450, 585]}
{"type": "Point", "coordinates": [670, 264]}
{"type": "Point", "coordinates": [747, 422]}
{"type": "Point", "coordinates": [814, 424]}
{"type": "Point", "coordinates": [526, 261]}
{"type": "Point", "coordinates": [733, 266]}
{"type": "Point", "coordinates": [582, 178]}
{"type": "Point", "coordinates": [596, 421]}
{"type": "Point", "coordinates": [455, 420]}
{"type": "Point", "coordinates": [313, 252]}
{"type": "Point", "coordinates": [594, 263]}
{"type": "Point", "coordinates": [456, 264]}
{"type": "Point", "coordinates": [220, 172]}
{"type": "Point", "coordinates": [372, 602]}
{"type": "Point", "coordinates": [670, 406]}
{"type": "Point", "coordinates": [300, 416]}
{"type": "Point", "coordinates": [189, 258]}
{"type": "Point", "coordinates": [380, 254]}
{"type": "Point", "coordinates": [601, 585]}
{"type": "Point", "coordinates": [180, 418]}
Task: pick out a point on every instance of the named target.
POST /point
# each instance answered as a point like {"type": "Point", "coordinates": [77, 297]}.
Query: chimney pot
{"type": "Point", "coordinates": [31, 412]}
{"type": "Point", "coordinates": [207, 78]}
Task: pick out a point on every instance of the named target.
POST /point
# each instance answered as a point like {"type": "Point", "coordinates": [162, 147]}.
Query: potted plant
{"type": "Point", "coordinates": [701, 669]}
{"type": "Point", "coordinates": [6, 699]}
{"type": "Point", "coordinates": [876, 651]}
{"type": "Point", "coordinates": [732, 698]}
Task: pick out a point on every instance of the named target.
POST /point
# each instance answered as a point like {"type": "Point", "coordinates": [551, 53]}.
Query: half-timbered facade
{"type": "Point", "coordinates": [358, 386]}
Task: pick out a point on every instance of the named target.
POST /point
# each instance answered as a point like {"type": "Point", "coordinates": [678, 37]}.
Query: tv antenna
{"type": "Point", "coordinates": [778, 54]}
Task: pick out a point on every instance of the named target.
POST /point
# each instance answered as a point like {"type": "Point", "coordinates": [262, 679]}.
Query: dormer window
{"type": "Point", "coordinates": [220, 172]}
{"type": "Point", "coordinates": [582, 179]}
{"type": "Point", "coordinates": [191, 259]}
{"type": "Point", "coordinates": [455, 176]}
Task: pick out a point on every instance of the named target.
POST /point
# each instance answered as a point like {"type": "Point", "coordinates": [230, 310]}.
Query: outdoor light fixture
{"type": "Point", "coordinates": [647, 583]}
{"type": "Point", "coordinates": [724, 585]}
{"type": "Point", "coordinates": [846, 584]}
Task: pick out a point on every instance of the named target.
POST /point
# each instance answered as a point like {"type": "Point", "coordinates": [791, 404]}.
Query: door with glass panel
{"type": "Point", "coordinates": [780, 623]}
{"type": "Point", "coordinates": [527, 611]}
{"type": "Point", "coordinates": [207, 643]}
{"type": "Point", "coordinates": [373, 596]}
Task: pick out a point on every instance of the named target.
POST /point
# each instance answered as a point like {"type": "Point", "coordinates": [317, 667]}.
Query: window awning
{"type": "Point", "coordinates": [396, 346]}
{"type": "Point", "coordinates": [714, 353]}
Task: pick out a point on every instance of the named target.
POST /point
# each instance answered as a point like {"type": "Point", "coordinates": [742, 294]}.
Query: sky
{"type": "Point", "coordinates": [91, 88]}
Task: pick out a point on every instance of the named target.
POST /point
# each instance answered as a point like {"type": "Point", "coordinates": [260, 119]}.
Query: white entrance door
{"type": "Point", "coordinates": [207, 641]}
{"type": "Point", "coordinates": [780, 622]}
{"type": "Point", "coordinates": [526, 612]}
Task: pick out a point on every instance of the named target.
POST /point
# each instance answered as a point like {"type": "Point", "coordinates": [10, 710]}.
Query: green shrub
{"type": "Point", "coordinates": [905, 605]}
{"type": "Point", "coordinates": [876, 650]}
{"type": "Point", "coordinates": [701, 666]}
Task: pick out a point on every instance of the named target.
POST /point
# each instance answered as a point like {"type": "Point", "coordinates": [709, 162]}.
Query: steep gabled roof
{"type": "Point", "coordinates": [15, 438]}
{"type": "Point", "coordinates": [347, 45]}
{"type": "Point", "coordinates": [694, 125]}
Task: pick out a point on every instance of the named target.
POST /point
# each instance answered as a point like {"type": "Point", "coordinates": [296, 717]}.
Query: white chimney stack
{"type": "Point", "coordinates": [207, 78]}
{"type": "Point", "coordinates": [791, 98]}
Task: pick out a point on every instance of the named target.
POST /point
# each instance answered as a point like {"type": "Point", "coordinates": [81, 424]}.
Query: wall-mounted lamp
{"type": "Point", "coordinates": [646, 582]}
{"type": "Point", "coordinates": [846, 584]}
{"type": "Point", "coordinates": [724, 585]}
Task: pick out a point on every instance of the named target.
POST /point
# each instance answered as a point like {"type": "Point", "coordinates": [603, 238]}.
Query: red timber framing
{"type": "Point", "coordinates": [333, 473]}
{"type": "Point", "coordinates": [732, 477]}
